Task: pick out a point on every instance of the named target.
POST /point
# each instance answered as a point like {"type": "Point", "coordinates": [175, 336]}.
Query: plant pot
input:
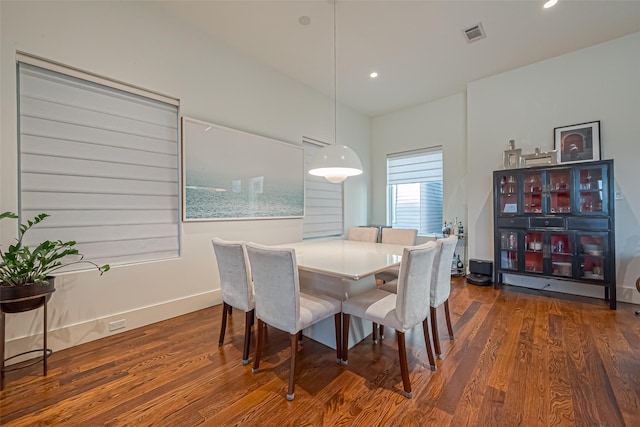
{"type": "Point", "coordinates": [16, 299]}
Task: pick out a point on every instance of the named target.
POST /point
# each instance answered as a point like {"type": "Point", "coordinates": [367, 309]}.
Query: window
{"type": "Point", "coordinates": [102, 159]}
{"type": "Point", "coordinates": [414, 183]}
{"type": "Point", "coordinates": [322, 199]}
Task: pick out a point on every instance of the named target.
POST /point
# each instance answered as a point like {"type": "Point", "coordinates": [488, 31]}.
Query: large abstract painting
{"type": "Point", "coordinates": [230, 174]}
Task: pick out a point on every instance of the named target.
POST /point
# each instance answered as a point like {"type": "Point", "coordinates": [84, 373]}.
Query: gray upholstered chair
{"type": "Point", "coordinates": [401, 311]}
{"type": "Point", "coordinates": [395, 236]}
{"type": "Point", "coordinates": [441, 287]}
{"type": "Point", "coordinates": [279, 302]}
{"type": "Point", "coordinates": [363, 234]}
{"type": "Point", "coordinates": [236, 287]}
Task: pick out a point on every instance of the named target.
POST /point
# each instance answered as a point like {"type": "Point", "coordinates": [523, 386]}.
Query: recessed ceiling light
{"type": "Point", "coordinates": [304, 20]}
{"type": "Point", "coordinates": [550, 3]}
{"type": "Point", "coordinates": [373, 75]}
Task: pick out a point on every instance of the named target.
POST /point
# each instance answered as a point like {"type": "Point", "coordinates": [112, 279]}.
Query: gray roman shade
{"type": "Point", "coordinates": [414, 182]}
{"type": "Point", "coordinates": [102, 159]}
{"type": "Point", "coordinates": [323, 215]}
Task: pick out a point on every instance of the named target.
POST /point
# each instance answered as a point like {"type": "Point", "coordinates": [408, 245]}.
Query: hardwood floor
{"type": "Point", "coordinates": [520, 357]}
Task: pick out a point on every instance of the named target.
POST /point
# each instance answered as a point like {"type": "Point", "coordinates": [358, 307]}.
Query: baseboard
{"type": "Point", "coordinates": [73, 335]}
{"type": "Point", "coordinates": [623, 293]}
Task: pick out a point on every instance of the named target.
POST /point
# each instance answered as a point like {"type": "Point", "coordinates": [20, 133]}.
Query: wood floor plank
{"type": "Point", "coordinates": [470, 404]}
{"type": "Point", "coordinates": [559, 386]}
{"type": "Point", "coordinates": [614, 348]}
{"type": "Point", "coordinates": [520, 357]}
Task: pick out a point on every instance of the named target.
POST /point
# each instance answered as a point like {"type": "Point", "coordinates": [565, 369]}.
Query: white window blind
{"type": "Point", "coordinates": [414, 183]}
{"type": "Point", "coordinates": [323, 214]}
{"type": "Point", "coordinates": [103, 162]}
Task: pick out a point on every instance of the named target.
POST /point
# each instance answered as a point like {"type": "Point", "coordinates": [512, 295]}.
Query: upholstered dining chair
{"type": "Point", "coordinates": [279, 302]}
{"type": "Point", "coordinates": [401, 311]}
{"type": "Point", "coordinates": [441, 287]}
{"type": "Point", "coordinates": [363, 234]}
{"type": "Point", "coordinates": [236, 287]}
{"type": "Point", "coordinates": [395, 236]}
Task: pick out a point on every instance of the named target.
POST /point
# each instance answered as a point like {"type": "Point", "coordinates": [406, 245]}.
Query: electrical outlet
{"type": "Point", "coordinates": [115, 325]}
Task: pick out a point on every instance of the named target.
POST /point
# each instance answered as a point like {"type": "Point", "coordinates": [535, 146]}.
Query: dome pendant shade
{"type": "Point", "coordinates": [335, 163]}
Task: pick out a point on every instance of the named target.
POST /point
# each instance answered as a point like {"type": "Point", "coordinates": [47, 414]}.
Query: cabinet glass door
{"type": "Point", "coordinates": [533, 253]}
{"type": "Point", "coordinates": [533, 195]}
{"type": "Point", "coordinates": [509, 250]}
{"type": "Point", "coordinates": [591, 186]}
{"type": "Point", "coordinates": [561, 254]}
{"type": "Point", "coordinates": [509, 193]}
{"type": "Point", "coordinates": [560, 191]}
{"type": "Point", "coordinates": [591, 249]}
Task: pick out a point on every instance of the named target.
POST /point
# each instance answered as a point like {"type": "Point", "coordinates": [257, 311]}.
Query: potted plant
{"type": "Point", "coordinates": [26, 280]}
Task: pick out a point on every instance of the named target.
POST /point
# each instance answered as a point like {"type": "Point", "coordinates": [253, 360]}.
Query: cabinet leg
{"type": "Point", "coordinates": [612, 297]}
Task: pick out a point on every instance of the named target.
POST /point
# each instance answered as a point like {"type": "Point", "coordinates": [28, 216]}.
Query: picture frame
{"type": "Point", "coordinates": [229, 174]}
{"type": "Point", "coordinates": [511, 208]}
{"type": "Point", "coordinates": [578, 143]}
{"type": "Point", "coordinates": [540, 158]}
{"type": "Point", "coordinates": [512, 159]}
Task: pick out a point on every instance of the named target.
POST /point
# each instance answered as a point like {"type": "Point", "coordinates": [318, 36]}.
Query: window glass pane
{"type": "Point", "coordinates": [414, 184]}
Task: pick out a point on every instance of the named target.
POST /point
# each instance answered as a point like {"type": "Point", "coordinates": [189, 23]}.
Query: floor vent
{"type": "Point", "coordinates": [474, 33]}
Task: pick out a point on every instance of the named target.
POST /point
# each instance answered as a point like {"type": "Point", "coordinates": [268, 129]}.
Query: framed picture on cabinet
{"type": "Point", "coordinates": [578, 143]}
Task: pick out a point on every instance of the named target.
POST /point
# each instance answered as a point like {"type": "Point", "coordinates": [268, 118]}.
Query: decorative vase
{"type": "Point", "coordinates": [16, 299]}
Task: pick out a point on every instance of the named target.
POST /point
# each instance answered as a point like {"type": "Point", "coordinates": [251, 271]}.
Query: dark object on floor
{"type": "Point", "coordinates": [480, 272]}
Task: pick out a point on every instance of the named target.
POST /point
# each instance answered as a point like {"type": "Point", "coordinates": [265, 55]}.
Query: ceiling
{"type": "Point", "coordinates": [417, 47]}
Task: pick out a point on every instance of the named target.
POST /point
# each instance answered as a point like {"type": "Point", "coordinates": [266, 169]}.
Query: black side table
{"type": "Point", "coordinates": [44, 297]}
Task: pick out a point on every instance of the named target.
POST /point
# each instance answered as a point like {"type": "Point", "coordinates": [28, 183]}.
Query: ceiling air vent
{"type": "Point", "coordinates": [474, 33]}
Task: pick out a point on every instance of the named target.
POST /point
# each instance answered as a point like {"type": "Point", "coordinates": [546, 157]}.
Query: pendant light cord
{"type": "Point", "coordinates": [335, 78]}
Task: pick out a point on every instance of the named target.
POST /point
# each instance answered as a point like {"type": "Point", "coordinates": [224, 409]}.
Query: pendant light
{"type": "Point", "coordinates": [335, 162]}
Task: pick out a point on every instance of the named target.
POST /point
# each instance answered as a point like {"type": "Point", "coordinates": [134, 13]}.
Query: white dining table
{"type": "Point", "coordinates": [341, 269]}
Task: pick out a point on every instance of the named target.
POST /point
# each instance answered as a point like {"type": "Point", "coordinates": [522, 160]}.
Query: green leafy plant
{"type": "Point", "coordinates": [21, 265]}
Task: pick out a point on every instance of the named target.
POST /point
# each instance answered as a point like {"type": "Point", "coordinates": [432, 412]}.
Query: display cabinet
{"type": "Point", "coordinates": [556, 222]}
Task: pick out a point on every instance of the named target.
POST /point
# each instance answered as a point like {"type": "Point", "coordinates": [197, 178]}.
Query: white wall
{"type": "Point", "coordinates": [598, 83]}
{"type": "Point", "coordinates": [130, 42]}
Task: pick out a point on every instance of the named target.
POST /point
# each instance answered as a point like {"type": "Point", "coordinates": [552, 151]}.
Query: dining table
{"type": "Point", "coordinates": [341, 269]}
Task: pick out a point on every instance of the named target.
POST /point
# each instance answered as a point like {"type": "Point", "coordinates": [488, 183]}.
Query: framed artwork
{"type": "Point", "coordinates": [578, 143]}
{"type": "Point", "coordinates": [228, 174]}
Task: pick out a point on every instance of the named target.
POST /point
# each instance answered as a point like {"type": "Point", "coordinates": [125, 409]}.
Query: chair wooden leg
{"type": "Point", "coordinates": [336, 321]}
{"type": "Point", "coordinates": [434, 330]}
{"type": "Point", "coordinates": [427, 340]}
{"type": "Point", "coordinates": [248, 321]}
{"type": "Point", "coordinates": [448, 317]}
{"type": "Point", "coordinates": [381, 332]}
{"type": "Point", "coordinates": [256, 357]}
{"type": "Point", "coordinates": [292, 366]}
{"type": "Point", "coordinates": [374, 333]}
{"type": "Point", "coordinates": [345, 338]}
{"type": "Point", "coordinates": [299, 335]}
{"type": "Point", "coordinates": [404, 367]}
{"type": "Point", "coordinates": [223, 325]}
